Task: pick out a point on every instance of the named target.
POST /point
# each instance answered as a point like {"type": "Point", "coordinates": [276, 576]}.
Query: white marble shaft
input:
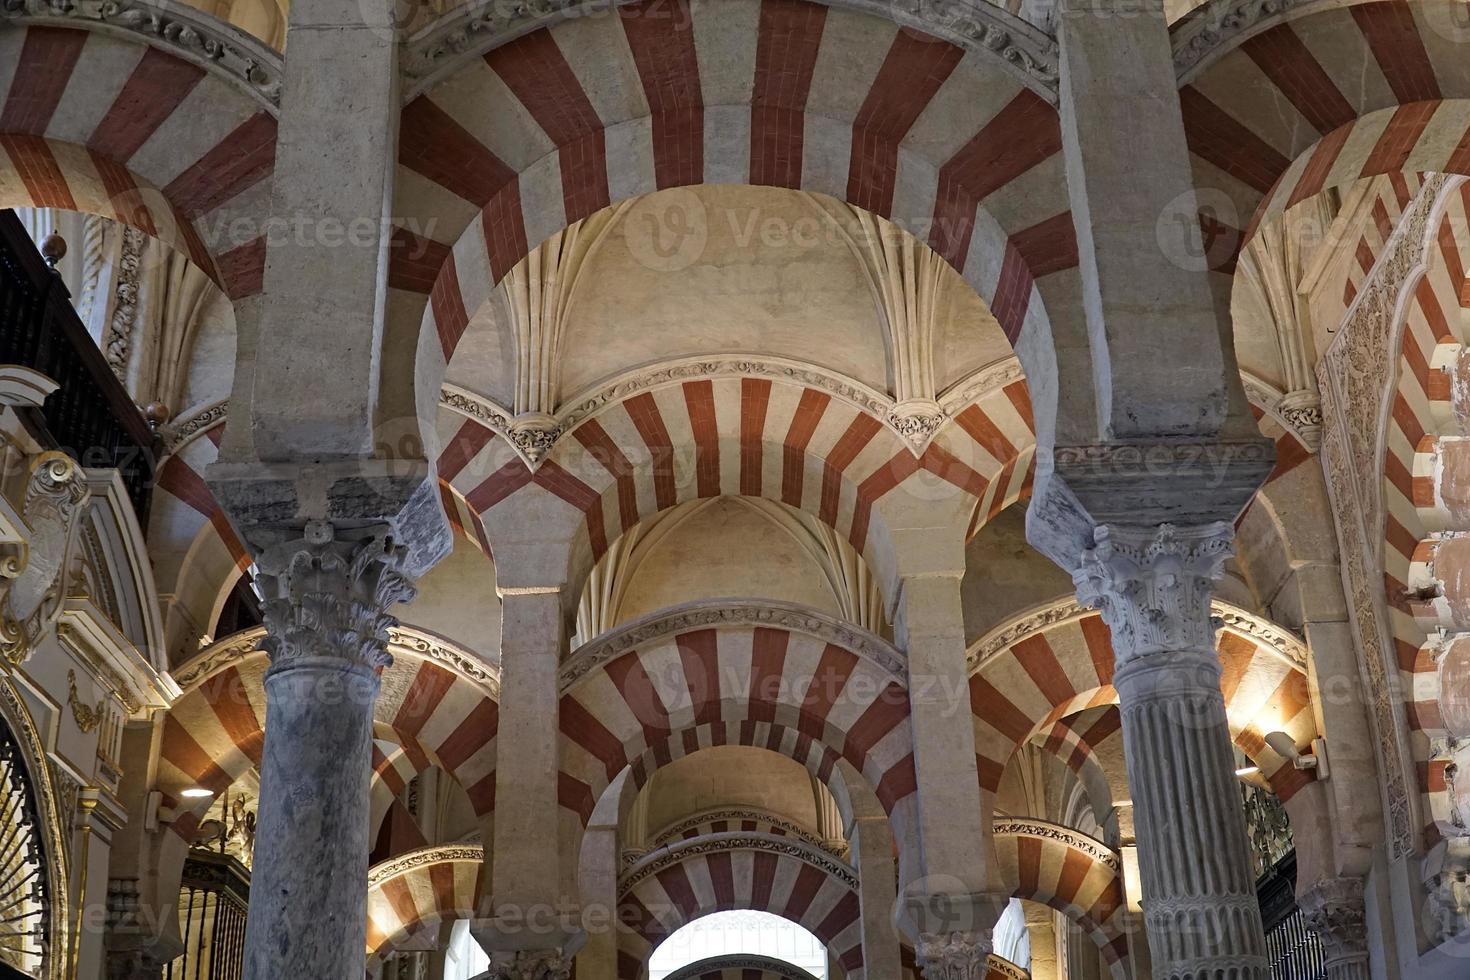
{"type": "Point", "coordinates": [1153, 586]}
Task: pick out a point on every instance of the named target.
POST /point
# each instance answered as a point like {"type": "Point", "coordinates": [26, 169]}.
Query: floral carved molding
{"type": "Point", "coordinates": [717, 614]}
{"type": "Point", "coordinates": [725, 843]}
{"type": "Point", "coordinates": [679, 829]}
{"type": "Point", "coordinates": [1210, 31]}
{"type": "Point", "coordinates": [1075, 839]}
{"type": "Point", "coordinates": [422, 858]}
{"type": "Point", "coordinates": [533, 437]}
{"type": "Point", "coordinates": [464, 34]}
{"type": "Point", "coordinates": [178, 29]}
{"type": "Point", "coordinates": [1002, 637]}
{"type": "Point", "coordinates": [405, 640]}
{"type": "Point", "coordinates": [1356, 375]}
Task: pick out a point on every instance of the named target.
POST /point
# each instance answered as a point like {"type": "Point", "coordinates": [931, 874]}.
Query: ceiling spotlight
{"type": "Point", "coordinates": [197, 792]}
{"type": "Point", "coordinates": [1285, 746]}
{"type": "Point", "coordinates": [1247, 771]}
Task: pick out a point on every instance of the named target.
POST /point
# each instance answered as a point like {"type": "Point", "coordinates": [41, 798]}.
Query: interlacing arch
{"type": "Point", "coordinates": [764, 436]}
{"type": "Point", "coordinates": [92, 122]}
{"type": "Point", "coordinates": [1053, 661]}
{"type": "Point", "coordinates": [419, 890]}
{"type": "Point", "coordinates": [566, 120]}
{"type": "Point", "coordinates": [435, 697]}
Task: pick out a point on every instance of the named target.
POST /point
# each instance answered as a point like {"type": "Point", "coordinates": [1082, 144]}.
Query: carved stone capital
{"type": "Point", "coordinates": [327, 595]}
{"type": "Point", "coordinates": [953, 955]}
{"type": "Point", "coordinates": [1153, 586]}
{"type": "Point", "coordinates": [531, 964]}
{"type": "Point", "coordinates": [1333, 909]}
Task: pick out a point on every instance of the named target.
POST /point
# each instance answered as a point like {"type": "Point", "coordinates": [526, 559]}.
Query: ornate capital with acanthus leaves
{"type": "Point", "coordinates": [327, 594]}
{"type": "Point", "coordinates": [954, 955]}
{"type": "Point", "coordinates": [531, 964]}
{"type": "Point", "coordinates": [1153, 586]}
{"type": "Point", "coordinates": [1333, 909]}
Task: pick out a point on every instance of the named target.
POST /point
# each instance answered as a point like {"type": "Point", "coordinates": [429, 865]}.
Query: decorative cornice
{"type": "Point", "coordinates": [1067, 609]}
{"type": "Point", "coordinates": [402, 640]}
{"type": "Point", "coordinates": [680, 827]}
{"type": "Point", "coordinates": [1046, 830]}
{"type": "Point", "coordinates": [178, 434]}
{"type": "Point", "coordinates": [915, 423]}
{"type": "Point", "coordinates": [723, 843]}
{"type": "Point", "coordinates": [733, 614]}
{"type": "Point", "coordinates": [175, 28]}
{"type": "Point", "coordinates": [464, 34]}
{"type": "Point", "coordinates": [1214, 29]}
{"type": "Point", "coordinates": [739, 963]}
{"type": "Point", "coordinates": [423, 857]}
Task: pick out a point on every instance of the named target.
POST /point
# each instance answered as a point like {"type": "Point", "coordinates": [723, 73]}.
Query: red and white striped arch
{"type": "Point", "coordinates": [671, 888]}
{"type": "Point", "coordinates": [740, 967]}
{"type": "Point", "coordinates": [755, 436]}
{"type": "Point", "coordinates": [786, 679]}
{"type": "Point", "coordinates": [747, 820]}
{"type": "Point", "coordinates": [92, 122]}
{"type": "Point", "coordinates": [420, 890]}
{"type": "Point", "coordinates": [1080, 877]}
{"type": "Point", "coordinates": [214, 732]}
{"type": "Point", "coordinates": [1075, 740]}
{"type": "Point", "coordinates": [1432, 329]}
{"type": "Point", "coordinates": [557, 124]}
{"type": "Point", "coordinates": [1021, 688]}
{"type": "Point", "coordinates": [1322, 99]}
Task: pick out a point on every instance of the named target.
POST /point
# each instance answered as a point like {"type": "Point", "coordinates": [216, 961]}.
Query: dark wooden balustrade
{"type": "Point", "coordinates": [90, 417]}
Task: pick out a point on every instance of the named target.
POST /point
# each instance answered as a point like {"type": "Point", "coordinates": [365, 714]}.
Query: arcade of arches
{"type": "Point", "coordinates": [987, 484]}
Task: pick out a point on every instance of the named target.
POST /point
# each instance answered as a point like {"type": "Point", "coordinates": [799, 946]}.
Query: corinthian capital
{"type": "Point", "coordinates": [1333, 909]}
{"type": "Point", "coordinates": [532, 964]}
{"type": "Point", "coordinates": [1153, 585]}
{"type": "Point", "coordinates": [954, 955]}
{"type": "Point", "coordinates": [327, 595]}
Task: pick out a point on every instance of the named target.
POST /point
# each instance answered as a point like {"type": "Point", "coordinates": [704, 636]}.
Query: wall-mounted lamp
{"type": "Point", "coordinates": [1285, 746]}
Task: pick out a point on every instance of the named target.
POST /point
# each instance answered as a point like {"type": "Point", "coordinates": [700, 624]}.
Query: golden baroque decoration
{"type": "Point", "coordinates": [722, 843]}
{"type": "Point", "coordinates": [125, 693]}
{"type": "Point", "coordinates": [87, 716]}
{"type": "Point", "coordinates": [422, 858]}
{"type": "Point", "coordinates": [31, 600]}
{"type": "Point", "coordinates": [720, 614]}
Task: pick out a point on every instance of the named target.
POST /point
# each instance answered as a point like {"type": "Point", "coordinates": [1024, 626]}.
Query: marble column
{"type": "Point", "coordinates": [326, 599]}
{"type": "Point", "coordinates": [534, 929]}
{"type": "Point", "coordinates": [947, 903]}
{"type": "Point", "coordinates": [1333, 910]}
{"type": "Point", "coordinates": [872, 854]}
{"type": "Point", "coordinates": [1153, 586]}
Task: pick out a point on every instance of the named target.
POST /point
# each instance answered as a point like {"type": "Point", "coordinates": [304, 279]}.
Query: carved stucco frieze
{"type": "Point", "coordinates": [423, 857]}
{"type": "Point", "coordinates": [1026, 51]}
{"type": "Point", "coordinates": [717, 614]}
{"type": "Point", "coordinates": [1209, 31]}
{"type": "Point", "coordinates": [176, 28]}
{"type": "Point", "coordinates": [117, 342]}
{"type": "Point", "coordinates": [327, 596]}
{"type": "Point", "coordinates": [1047, 830]}
{"type": "Point", "coordinates": [665, 857]}
{"type": "Point", "coordinates": [402, 640]}
{"type": "Point", "coordinates": [917, 423]}
{"type": "Point", "coordinates": [680, 828]}
{"type": "Point", "coordinates": [1355, 375]}
{"type": "Point", "coordinates": [184, 430]}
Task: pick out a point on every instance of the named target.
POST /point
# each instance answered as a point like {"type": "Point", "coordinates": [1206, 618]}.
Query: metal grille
{"type": "Point", "coordinates": [212, 910]}
{"type": "Point", "coordinates": [1292, 949]}
{"type": "Point", "coordinates": [24, 902]}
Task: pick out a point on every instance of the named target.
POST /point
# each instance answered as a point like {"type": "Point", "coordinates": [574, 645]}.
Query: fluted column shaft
{"type": "Point", "coordinates": [326, 603]}
{"type": "Point", "coordinates": [1153, 586]}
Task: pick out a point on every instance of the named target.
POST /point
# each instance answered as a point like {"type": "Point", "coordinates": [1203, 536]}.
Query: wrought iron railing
{"type": "Point", "coordinates": [212, 908]}
{"type": "Point", "coordinates": [25, 903]}
{"type": "Point", "coordinates": [1292, 949]}
{"type": "Point", "coordinates": [90, 416]}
